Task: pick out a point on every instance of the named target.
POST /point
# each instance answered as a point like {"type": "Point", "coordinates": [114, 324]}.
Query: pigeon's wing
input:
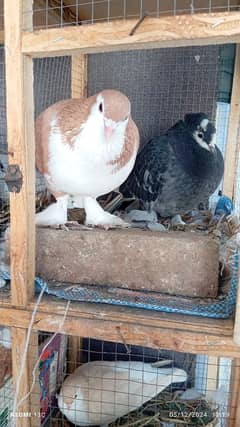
{"type": "Point", "coordinates": [69, 115]}
{"type": "Point", "coordinates": [147, 178]}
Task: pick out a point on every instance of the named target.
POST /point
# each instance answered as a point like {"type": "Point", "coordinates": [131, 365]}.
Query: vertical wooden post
{"type": "Point", "coordinates": [234, 400]}
{"type": "Point", "coordinates": [79, 89]}
{"type": "Point", "coordinates": [232, 147]}
{"type": "Point", "coordinates": [236, 332]}
{"type": "Point", "coordinates": [229, 188]}
{"type": "Point", "coordinates": [233, 156]}
{"type": "Point", "coordinates": [20, 133]}
{"type": "Point", "coordinates": [79, 76]}
{"type": "Point", "coordinates": [36, 392]}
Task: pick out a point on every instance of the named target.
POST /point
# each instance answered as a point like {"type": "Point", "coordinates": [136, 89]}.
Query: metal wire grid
{"type": "Point", "coordinates": [59, 13]}
{"type": "Point", "coordinates": [237, 191]}
{"type": "Point", "coordinates": [162, 84]}
{"type": "Point", "coordinates": [6, 385]}
{"type": "Point", "coordinates": [209, 377]}
{"type": "Point", "coordinates": [52, 82]}
{"type": "Point", "coordinates": [88, 350]}
{"type": "Point", "coordinates": [1, 15]}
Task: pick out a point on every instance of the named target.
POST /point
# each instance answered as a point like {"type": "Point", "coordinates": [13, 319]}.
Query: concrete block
{"type": "Point", "coordinates": [174, 263]}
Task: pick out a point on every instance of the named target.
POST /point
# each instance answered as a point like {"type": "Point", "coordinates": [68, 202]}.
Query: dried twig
{"type": "Point", "coordinates": [138, 24]}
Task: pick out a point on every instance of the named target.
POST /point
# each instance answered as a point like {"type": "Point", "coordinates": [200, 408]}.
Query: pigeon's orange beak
{"type": "Point", "coordinates": [109, 128]}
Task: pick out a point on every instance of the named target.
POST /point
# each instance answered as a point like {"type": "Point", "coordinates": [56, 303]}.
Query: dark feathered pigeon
{"type": "Point", "coordinates": [176, 171]}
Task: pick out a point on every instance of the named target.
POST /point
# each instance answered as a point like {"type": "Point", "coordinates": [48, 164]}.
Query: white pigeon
{"type": "Point", "coordinates": [85, 148]}
{"type": "Point", "coordinates": [97, 393]}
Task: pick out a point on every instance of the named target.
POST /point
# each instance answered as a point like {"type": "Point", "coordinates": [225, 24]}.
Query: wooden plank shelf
{"type": "Point", "coordinates": [133, 326]}
{"type": "Point", "coordinates": [172, 31]}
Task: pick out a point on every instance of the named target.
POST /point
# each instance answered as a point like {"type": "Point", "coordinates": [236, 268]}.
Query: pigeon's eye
{"type": "Point", "coordinates": [200, 135]}
{"type": "Point", "coordinates": [100, 107]}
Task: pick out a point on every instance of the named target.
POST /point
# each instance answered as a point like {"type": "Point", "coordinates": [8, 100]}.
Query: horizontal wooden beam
{"type": "Point", "coordinates": [137, 327]}
{"type": "Point", "coordinates": [172, 31]}
{"type": "Point", "coordinates": [139, 316]}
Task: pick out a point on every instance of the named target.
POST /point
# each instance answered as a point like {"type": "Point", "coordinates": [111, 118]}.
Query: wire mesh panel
{"type": "Point", "coordinates": [6, 385]}
{"type": "Point", "coordinates": [58, 13]}
{"type": "Point", "coordinates": [237, 194]}
{"type": "Point", "coordinates": [1, 16]}
{"type": "Point", "coordinates": [52, 82]}
{"type": "Point", "coordinates": [162, 84]}
{"type": "Point", "coordinates": [90, 382]}
{"type": "Point", "coordinates": [82, 381]}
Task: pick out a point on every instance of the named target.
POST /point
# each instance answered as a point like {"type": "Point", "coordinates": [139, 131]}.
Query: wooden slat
{"type": "Point", "coordinates": [173, 31]}
{"type": "Point", "coordinates": [20, 135]}
{"type": "Point", "coordinates": [175, 322]}
{"type": "Point", "coordinates": [137, 333]}
{"type": "Point", "coordinates": [119, 314]}
{"type": "Point", "coordinates": [236, 333]}
{"type": "Point", "coordinates": [79, 75]}
{"type": "Point", "coordinates": [234, 401]}
{"type": "Point", "coordinates": [18, 344]}
{"type": "Point", "coordinates": [233, 138]}
{"type": "Point", "coordinates": [33, 355]}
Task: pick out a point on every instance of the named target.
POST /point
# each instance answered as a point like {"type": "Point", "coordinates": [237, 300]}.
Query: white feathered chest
{"type": "Point", "coordinates": [87, 166]}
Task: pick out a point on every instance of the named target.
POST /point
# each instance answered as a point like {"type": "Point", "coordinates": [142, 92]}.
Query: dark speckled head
{"type": "Point", "coordinates": [202, 130]}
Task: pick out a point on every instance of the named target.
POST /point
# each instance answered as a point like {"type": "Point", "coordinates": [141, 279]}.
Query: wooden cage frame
{"type": "Point", "coordinates": [135, 326]}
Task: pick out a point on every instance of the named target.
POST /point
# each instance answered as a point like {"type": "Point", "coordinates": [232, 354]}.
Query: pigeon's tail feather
{"type": "Point", "coordinates": [127, 187]}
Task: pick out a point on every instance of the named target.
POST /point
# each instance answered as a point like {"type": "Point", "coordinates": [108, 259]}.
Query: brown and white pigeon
{"type": "Point", "coordinates": [85, 148]}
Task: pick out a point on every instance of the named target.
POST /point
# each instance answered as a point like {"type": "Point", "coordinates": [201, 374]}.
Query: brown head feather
{"type": "Point", "coordinates": [116, 105]}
